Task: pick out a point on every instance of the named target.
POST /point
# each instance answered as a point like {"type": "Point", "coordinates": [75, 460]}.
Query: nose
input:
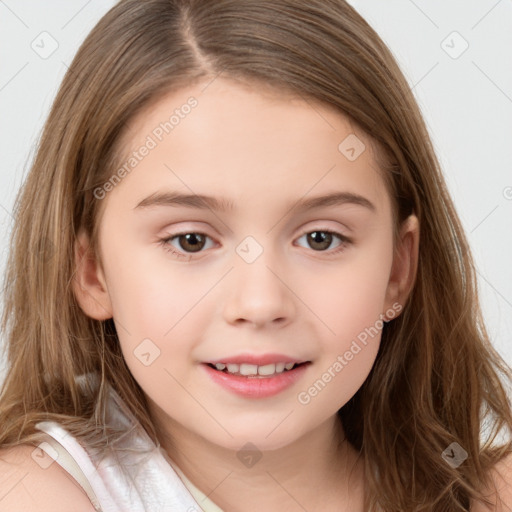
{"type": "Point", "coordinates": [259, 294]}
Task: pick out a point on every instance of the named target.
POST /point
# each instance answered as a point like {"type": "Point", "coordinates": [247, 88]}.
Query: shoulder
{"type": "Point", "coordinates": [31, 480]}
{"type": "Point", "coordinates": [502, 497]}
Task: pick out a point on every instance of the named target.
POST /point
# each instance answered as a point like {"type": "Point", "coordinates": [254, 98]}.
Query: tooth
{"type": "Point", "coordinates": [249, 369]}
{"type": "Point", "coordinates": [220, 366]}
{"type": "Point", "coordinates": [269, 369]}
{"type": "Point", "coordinates": [289, 366]}
{"type": "Point", "coordinates": [233, 368]}
{"type": "Point", "coordinates": [279, 367]}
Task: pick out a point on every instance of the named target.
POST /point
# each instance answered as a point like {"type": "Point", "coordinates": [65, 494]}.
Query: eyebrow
{"type": "Point", "coordinates": [199, 201]}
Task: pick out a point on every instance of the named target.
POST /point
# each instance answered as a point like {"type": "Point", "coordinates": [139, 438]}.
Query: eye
{"type": "Point", "coordinates": [321, 239]}
{"type": "Point", "coordinates": [193, 242]}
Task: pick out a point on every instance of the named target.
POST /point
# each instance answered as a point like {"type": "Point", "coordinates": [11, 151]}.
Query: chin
{"type": "Point", "coordinates": [264, 436]}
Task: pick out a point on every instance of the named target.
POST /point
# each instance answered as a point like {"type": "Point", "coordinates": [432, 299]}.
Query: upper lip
{"type": "Point", "coordinates": [259, 360]}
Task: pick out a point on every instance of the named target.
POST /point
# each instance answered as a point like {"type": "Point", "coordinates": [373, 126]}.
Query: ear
{"type": "Point", "coordinates": [405, 263]}
{"type": "Point", "coordinates": [89, 285]}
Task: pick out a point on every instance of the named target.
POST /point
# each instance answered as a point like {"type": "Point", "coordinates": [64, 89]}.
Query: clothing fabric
{"type": "Point", "coordinates": [134, 476]}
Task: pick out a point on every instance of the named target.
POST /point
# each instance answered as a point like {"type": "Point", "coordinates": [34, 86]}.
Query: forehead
{"type": "Point", "coordinates": [246, 142]}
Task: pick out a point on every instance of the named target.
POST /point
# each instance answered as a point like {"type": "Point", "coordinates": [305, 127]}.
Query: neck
{"type": "Point", "coordinates": [314, 469]}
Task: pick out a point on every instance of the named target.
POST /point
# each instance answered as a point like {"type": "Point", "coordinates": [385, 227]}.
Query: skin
{"type": "Point", "coordinates": [263, 151]}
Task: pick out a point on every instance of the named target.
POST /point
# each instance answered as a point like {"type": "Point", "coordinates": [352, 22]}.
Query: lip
{"type": "Point", "coordinates": [260, 360]}
{"type": "Point", "coordinates": [253, 386]}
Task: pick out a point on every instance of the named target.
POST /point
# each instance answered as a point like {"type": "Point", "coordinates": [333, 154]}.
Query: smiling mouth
{"type": "Point", "coordinates": [255, 371]}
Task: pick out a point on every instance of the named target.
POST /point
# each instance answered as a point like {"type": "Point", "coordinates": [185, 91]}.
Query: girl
{"type": "Point", "coordinates": [238, 282]}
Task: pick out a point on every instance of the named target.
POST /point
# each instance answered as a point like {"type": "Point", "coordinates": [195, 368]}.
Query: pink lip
{"type": "Point", "coordinates": [260, 360]}
{"type": "Point", "coordinates": [253, 386]}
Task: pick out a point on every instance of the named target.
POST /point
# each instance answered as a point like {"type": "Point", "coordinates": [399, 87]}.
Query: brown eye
{"type": "Point", "coordinates": [320, 240]}
{"type": "Point", "coordinates": [191, 242]}
{"type": "Point", "coordinates": [187, 243]}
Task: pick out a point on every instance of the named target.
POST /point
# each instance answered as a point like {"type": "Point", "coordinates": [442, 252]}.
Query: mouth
{"type": "Point", "coordinates": [252, 371]}
{"type": "Point", "coordinates": [256, 382]}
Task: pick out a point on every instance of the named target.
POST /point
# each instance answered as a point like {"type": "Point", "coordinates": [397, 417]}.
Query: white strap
{"type": "Point", "coordinates": [66, 461]}
{"type": "Point", "coordinates": [206, 504]}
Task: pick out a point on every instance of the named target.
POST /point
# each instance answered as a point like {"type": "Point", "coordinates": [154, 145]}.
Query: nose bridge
{"type": "Point", "coordinates": [257, 292]}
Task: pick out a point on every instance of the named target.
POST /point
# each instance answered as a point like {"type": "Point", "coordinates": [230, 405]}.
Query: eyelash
{"type": "Point", "coordinates": [164, 242]}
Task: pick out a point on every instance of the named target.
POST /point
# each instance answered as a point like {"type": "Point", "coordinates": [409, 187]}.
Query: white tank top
{"type": "Point", "coordinates": [137, 476]}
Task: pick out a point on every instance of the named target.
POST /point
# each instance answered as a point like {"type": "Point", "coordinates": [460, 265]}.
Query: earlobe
{"type": "Point", "coordinates": [89, 285]}
{"type": "Point", "coordinates": [405, 263]}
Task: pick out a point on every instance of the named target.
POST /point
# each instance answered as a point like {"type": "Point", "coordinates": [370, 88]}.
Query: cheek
{"type": "Point", "coordinates": [350, 297]}
{"type": "Point", "coordinates": [350, 337]}
{"type": "Point", "coordinates": [337, 380]}
{"type": "Point", "coordinates": [158, 311]}
{"type": "Point", "coordinates": [147, 296]}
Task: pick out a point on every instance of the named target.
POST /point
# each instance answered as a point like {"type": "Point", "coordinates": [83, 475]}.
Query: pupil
{"type": "Point", "coordinates": [191, 239]}
{"type": "Point", "coordinates": [320, 237]}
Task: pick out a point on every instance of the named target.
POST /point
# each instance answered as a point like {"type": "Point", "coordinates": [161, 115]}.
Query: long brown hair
{"type": "Point", "coordinates": [436, 378]}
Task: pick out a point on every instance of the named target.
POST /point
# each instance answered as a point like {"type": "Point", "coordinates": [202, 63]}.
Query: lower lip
{"type": "Point", "coordinates": [256, 387]}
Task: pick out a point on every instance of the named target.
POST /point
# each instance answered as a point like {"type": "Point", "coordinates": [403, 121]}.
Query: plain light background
{"type": "Point", "coordinates": [455, 55]}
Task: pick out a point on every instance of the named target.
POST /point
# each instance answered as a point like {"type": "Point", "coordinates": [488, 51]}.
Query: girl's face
{"type": "Point", "coordinates": [259, 272]}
